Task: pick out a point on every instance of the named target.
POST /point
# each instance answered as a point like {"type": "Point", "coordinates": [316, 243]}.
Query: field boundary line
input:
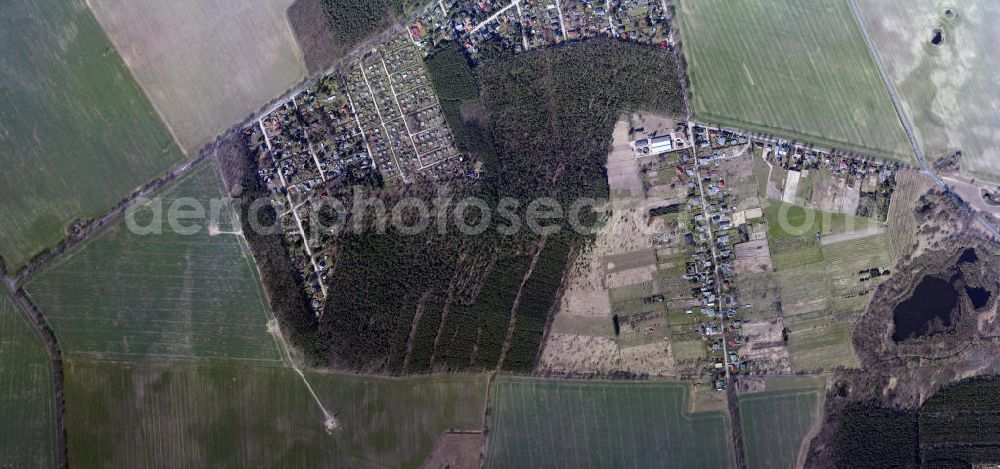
{"type": "Point", "coordinates": [70, 242]}
{"type": "Point", "coordinates": [48, 337]}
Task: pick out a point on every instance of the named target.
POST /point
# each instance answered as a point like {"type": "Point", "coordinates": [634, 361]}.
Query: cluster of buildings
{"type": "Point", "coordinates": [527, 24]}
{"type": "Point", "coordinates": [792, 157]}
{"type": "Point", "coordinates": [712, 237]}
{"type": "Point", "coordinates": [379, 119]}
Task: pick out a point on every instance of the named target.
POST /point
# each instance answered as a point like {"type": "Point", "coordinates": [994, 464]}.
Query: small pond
{"type": "Point", "coordinates": [932, 302]}
{"type": "Point", "coordinates": [980, 296]}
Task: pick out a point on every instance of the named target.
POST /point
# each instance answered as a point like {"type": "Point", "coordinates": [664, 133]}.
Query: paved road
{"type": "Point", "coordinates": [903, 119]}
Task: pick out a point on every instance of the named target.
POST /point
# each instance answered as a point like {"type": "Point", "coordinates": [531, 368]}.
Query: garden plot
{"type": "Point", "coordinates": [835, 285]}
{"type": "Point", "coordinates": [821, 345]}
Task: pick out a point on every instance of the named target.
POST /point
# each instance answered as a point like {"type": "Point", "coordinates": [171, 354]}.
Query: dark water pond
{"type": "Point", "coordinates": [932, 302]}
{"type": "Point", "coordinates": [968, 256]}
{"type": "Point", "coordinates": [979, 296]}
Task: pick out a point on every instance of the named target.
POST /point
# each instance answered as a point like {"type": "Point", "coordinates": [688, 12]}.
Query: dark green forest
{"type": "Point", "coordinates": [540, 123]}
{"type": "Point", "coordinates": [959, 426]}
{"type": "Point", "coordinates": [352, 21]}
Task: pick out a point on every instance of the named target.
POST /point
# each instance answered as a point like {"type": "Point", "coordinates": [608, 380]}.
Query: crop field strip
{"type": "Point", "coordinates": [818, 286]}
{"type": "Point", "coordinates": [821, 345]}
{"type": "Point", "coordinates": [205, 65]}
{"type": "Point", "coordinates": [79, 134]}
{"type": "Point", "coordinates": [27, 415]}
{"type": "Point", "coordinates": [835, 277]}
{"type": "Point", "coordinates": [799, 70]}
{"type": "Point", "coordinates": [539, 423]}
{"type": "Point", "coordinates": [160, 296]}
{"type": "Point", "coordinates": [775, 423]}
{"type": "Point", "coordinates": [216, 415]}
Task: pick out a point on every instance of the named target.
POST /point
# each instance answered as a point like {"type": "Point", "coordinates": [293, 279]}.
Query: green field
{"type": "Point", "coordinates": [774, 424]}
{"type": "Point", "coordinates": [121, 415]}
{"type": "Point", "coordinates": [794, 69]}
{"type": "Point", "coordinates": [160, 296]}
{"type": "Point", "coordinates": [792, 230]}
{"type": "Point", "coordinates": [832, 283]}
{"type": "Point", "coordinates": [77, 132]}
{"type": "Point", "coordinates": [27, 419]}
{"type": "Point", "coordinates": [538, 423]}
{"type": "Point", "coordinates": [821, 344]}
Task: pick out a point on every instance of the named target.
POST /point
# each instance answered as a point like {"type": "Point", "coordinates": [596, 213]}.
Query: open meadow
{"type": "Point", "coordinates": [76, 132]}
{"type": "Point", "coordinates": [794, 69]}
{"type": "Point", "coordinates": [776, 423]}
{"type": "Point", "coordinates": [219, 415]}
{"type": "Point", "coordinates": [539, 423]}
{"type": "Point", "coordinates": [27, 417]}
{"type": "Point", "coordinates": [949, 90]}
{"type": "Point", "coordinates": [162, 296]}
{"type": "Point", "coordinates": [205, 65]}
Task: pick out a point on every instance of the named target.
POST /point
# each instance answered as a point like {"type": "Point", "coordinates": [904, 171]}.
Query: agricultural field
{"type": "Point", "coordinates": [947, 89]}
{"type": "Point", "coordinates": [220, 415]}
{"type": "Point", "coordinates": [538, 423]}
{"type": "Point", "coordinates": [835, 282]}
{"type": "Point", "coordinates": [776, 423]}
{"type": "Point", "coordinates": [795, 234]}
{"type": "Point", "coordinates": [78, 133]}
{"type": "Point", "coordinates": [821, 345]}
{"type": "Point", "coordinates": [826, 266]}
{"type": "Point", "coordinates": [205, 65]}
{"type": "Point", "coordinates": [794, 69]}
{"type": "Point", "coordinates": [168, 296]}
{"type": "Point", "coordinates": [27, 417]}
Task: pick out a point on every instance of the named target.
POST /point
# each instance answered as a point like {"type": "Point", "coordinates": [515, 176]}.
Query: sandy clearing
{"type": "Point", "coordinates": [630, 277]}
{"type": "Point", "coordinates": [622, 167]}
{"type": "Point", "coordinates": [852, 196]}
{"type": "Point", "coordinates": [872, 230]}
{"type": "Point", "coordinates": [791, 187]}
